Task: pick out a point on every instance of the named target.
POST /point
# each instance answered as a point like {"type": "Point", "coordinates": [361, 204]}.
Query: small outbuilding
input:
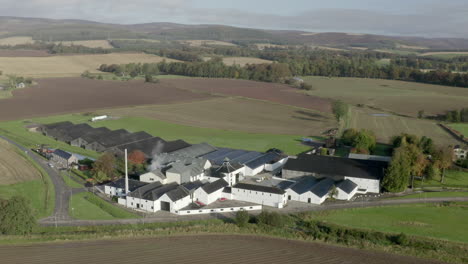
{"type": "Point", "coordinates": [63, 159]}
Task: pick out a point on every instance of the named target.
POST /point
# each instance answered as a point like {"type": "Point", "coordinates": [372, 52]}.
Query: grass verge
{"type": "Point", "coordinates": [87, 206]}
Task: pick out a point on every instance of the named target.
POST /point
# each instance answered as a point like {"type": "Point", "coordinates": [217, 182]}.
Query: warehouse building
{"type": "Point", "coordinates": [264, 195]}
{"type": "Point", "coordinates": [210, 192]}
{"type": "Point", "coordinates": [117, 188]}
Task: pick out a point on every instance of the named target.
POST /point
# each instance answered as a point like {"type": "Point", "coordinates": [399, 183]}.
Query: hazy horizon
{"type": "Point", "coordinates": [426, 18]}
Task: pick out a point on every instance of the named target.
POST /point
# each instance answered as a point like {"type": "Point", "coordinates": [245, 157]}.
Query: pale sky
{"type": "Point", "coordinates": [429, 18]}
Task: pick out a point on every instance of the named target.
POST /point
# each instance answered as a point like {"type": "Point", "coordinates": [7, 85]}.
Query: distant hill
{"type": "Point", "coordinates": [68, 30]}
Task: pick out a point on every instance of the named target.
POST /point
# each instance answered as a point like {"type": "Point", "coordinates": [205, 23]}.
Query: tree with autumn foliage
{"type": "Point", "coordinates": [104, 167]}
{"type": "Point", "coordinates": [137, 160]}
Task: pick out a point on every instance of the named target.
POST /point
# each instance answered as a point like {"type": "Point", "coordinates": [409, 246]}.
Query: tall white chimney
{"type": "Point", "coordinates": [126, 173]}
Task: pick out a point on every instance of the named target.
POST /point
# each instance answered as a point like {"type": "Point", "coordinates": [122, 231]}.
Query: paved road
{"type": "Point", "coordinates": [62, 191]}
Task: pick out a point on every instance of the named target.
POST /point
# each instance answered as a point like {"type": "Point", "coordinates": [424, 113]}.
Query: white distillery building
{"type": "Point", "coordinates": [117, 188]}
{"type": "Point", "coordinates": [210, 192]}
{"type": "Point", "coordinates": [346, 190]}
{"type": "Point", "coordinates": [264, 195]}
{"type": "Point", "coordinates": [366, 174]}
{"type": "Point", "coordinates": [232, 173]}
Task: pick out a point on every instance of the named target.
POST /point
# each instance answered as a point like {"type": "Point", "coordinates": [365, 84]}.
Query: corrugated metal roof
{"type": "Point", "coordinates": [259, 188]}
{"type": "Point", "coordinates": [262, 160]}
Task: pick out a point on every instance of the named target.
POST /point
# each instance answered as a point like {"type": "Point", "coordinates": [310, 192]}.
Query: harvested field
{"type": "Point", "coordinates": [405, 98]}
{"type": "Point", "coordinates": [12, 41]}
{"type": "Point", "coordinates": [236, 114]}
{"type": "Point", "coordinates": [88, 43]}
{"type": "Point", "coordinates": [69, 65]}
{"type": "Point", "coordinates": [196, 249]}
{"type": "Point", "coordinates": [386, 126]}
{"type": "Point", "coordinates": [24, 53]}
{"type": "Point", "coordinates": [68, 95]}
{"type": "Point", "coordinates": [198, 43]}
{"type": "Point", "coordinates": [14, 168]}
{"type": "Point", "coordinates": [445, 54]}
{"type": "Point", "coordinates": [273, 92]}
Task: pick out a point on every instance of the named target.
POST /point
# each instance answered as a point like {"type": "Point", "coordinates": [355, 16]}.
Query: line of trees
{"type": "Point", "coordinates": [362, 141]}
{"type": "Point", "coordinates": [214, 68]}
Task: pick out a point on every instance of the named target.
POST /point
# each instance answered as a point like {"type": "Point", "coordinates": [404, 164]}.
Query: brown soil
{"type": "Point", "coordinates": [69, 95]}
{"type": "Point", "coordinates": [273, 92]}
{"type": "Point", "coordinates": [196, 249]}
{"type": "Point", "coordinates": [24, 53]}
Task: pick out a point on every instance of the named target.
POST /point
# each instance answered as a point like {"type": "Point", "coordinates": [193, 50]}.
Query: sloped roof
{"type": "Point", "coordinates": [323, 187]}
{"type": "Point", "coordinates": [113, 138]}
{"type": "Point", "coordinates": [214, 186]}
{"type": "Point", "coordinates": [154, 145]}
{"type": "Point", "coordinates": [58, 125]}
{"type": "Point", "coordinates": [195, 151]}
{"type": "Point", "coordinates": [75, 131]}
{"type": "Point", "coordinates": [304, 185]}
{"type": "Point", "coordinates": [94, 134]}
{"type": "Point", "coordinates": [62, 154]}
{"type": "Point", "coordinates": [259, 188]}
{"type": "Point", "coordinates": [347, 186]}
{"type": "Point", "coordinates": [219, 171]}
{"type": "Point", "coordinates": [192, 186]}
{"type": "Point", "coordinates": [369, 157]}
{"type": "Point", "coordinates": [262, 160]}
{"type": "Point", "coordinates": [153, 191]}
{"type": "Point", "coordinates": [178, 193]}
{"type": "Point", "coordinates": [132, 184]}
{"type": "Point", "coordinates": [326, 165]}
{"type": "Point", "coordinates": [186, 170]}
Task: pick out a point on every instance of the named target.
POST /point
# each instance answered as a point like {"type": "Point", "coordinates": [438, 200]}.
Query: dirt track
{"type": "Point", "coordinates": [196, 249]}
{"type": "Point", "coordinates": [273, 92]}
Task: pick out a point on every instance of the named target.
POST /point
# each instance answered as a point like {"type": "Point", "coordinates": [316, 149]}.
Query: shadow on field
{"type": "Point", "coordinates": [308, 116]}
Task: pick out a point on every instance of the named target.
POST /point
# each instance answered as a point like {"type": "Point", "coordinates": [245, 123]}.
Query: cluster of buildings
{"type": "Point", "coordinates": [185, 179]}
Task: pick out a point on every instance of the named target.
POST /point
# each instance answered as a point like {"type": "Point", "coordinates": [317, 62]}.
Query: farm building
{"type": "Point", "coordinates": [367, 174]}
{"type": "Point", "coordinates": [151, 146]}
{"type": "Point", "coordinates": [63, 159]}
{"type": "Point", "coordinates": [147, 197]}
{"type": "Point", "coordinates": [300, 191]}
{"type": "Point", "coordinates": [175, 199]}
{"type": "Point", "coordinates": [54, 130]}
{"type": "Point", "coordinates": [182, 172]}
{"type": "Point", "coordinates": [269, 161]}
{"type": "Point", "coordinates": [109, 140]}
{"type": "Point", "coordinates": [89, 137]}
{"type": "Point", "coordinates": [346, 190]}
{"type": "Point", "coordinates": [230, 172]}
{"type": "Point", "coordinates": [210, 192]}
{"type": "Point", "coordinates": [117, 188]}
{"type": "Point", "coordinates": [265, 195]}
{"type": "Point", "coordinates": [460, 153]}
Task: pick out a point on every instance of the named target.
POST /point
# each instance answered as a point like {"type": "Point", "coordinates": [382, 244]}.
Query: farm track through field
{"type": "Point", "coordinates": [197, 249]}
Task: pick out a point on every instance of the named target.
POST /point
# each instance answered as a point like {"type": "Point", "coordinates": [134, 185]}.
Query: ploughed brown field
{"type": "Point", "coordinates": [71, 95]}
{"type": "Point", "coordinates": [24, 53]}
{"type": "Point", "coordinates": [196, 249]}
{"type": "Point", "coordinates": [273, 92]}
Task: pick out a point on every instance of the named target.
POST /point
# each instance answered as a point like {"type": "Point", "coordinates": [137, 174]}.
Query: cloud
{"type": "Point", "coordinates": [435, 19]}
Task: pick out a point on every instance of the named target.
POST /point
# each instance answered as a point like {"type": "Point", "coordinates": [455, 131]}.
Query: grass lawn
{"type": "Point", "coordinates": [429, 220]}
{"type": "Point", "coordinates": [87, 206]}
{"type": "Point", "coordinates": [71, 183]}
{"type": "Point", "coordinates": [433, 194]}
{"type": "Point", "coordinates": [217, 137]}
{"type": "Point", "coordinates": [453, 178]}
{"type": "Point", "coordinates": [462, 128]}
{"type": "Point", "coordinates": [35, 192]}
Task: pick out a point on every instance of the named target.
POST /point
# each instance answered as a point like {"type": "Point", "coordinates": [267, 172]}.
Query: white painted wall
{"type": "Point", "coordinates": [112, 191]}
{"type": "Point", "coordinates": [269, 199]}
{"type": "Point", "coordinates": [150, 177]}
{"type": "Point", "coordinates": [274, 166]}
{"type": "Point", "coordinates": [220, 210]}
{"type": "Point", "coordinates": [342, 195]}
{"type": "Point", "coordinates": [314, 199]}
{"type": "Point", "coordinates": [177, 205]}
{"type": "Point", "coordinates": [255, 171]}
{"type": "Point", "coordinates": [142, 204]}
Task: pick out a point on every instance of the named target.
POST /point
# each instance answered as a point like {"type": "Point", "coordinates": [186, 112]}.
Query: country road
{"type": "Point", "coordinates": [63, 193]}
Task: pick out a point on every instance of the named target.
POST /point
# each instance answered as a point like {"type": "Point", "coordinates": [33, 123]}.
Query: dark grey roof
{"type": "Point", "coordinates": [178, 193]}
{"type": "Point", "coordinates": [283, 185]}
{"type": "Point", "coordinates": [75, 131]}
{"type": "Point", "coordinates": [172, 146]}
{"type": "Point", "coordinates": [323, 187]}
{"type": "Point", "coordinates": [347, 186]}
{"type": "Point", "coordinates": [220, 171]}
{"type": "Point", "coordinates": [94, 134]}
{"type": "Point", "coordinates": [132, 184]}
{"type": "Point", "coordinates": [147, 146]}
{"type": "Point", "coordinates": [58, 125]}
{"type": "Point", "coordinates": [113, 138]}
{"type": "Point", "coordinates": [326, 165]}
{"type": "Point", "coordinates": [247, 157]}
{"type": "Point", "coordinates": [215, 186]}
{"type": "Point", "coordinates": [195, 151]}
{"type": "Point", "coordinates": [62, 154]}
{"type": "Point", "coordinates": [262, 160]}
{"type": "Point", "coordinates": [153, 191]}
{"type": "Point", "coordinates": [259, 188]}
{"type": "Point", "coordinates": [187, 170]}
{"type": "Point", "coordinates": [304, 185]}
{"type": "Point", "coordinates": [192, 186]}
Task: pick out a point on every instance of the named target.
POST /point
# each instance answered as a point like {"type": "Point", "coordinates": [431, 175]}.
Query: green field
{"type": "Point", "coordinates": [462, 128]}
{"type": "Point", "coordinates": [87, 206]}
{"type": "Point", "coordinates": [430, 220]}
{"type": "Point", "coordinates": [432, 194]}
{"type": "Point", "coordinates": [453, 178]}
{"type": "Point", "coordinates": [385, 127]}
{"type": "Point", "coordinates": [36, 192]}
{"type": "Point", "coordinates": [405, 98]}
